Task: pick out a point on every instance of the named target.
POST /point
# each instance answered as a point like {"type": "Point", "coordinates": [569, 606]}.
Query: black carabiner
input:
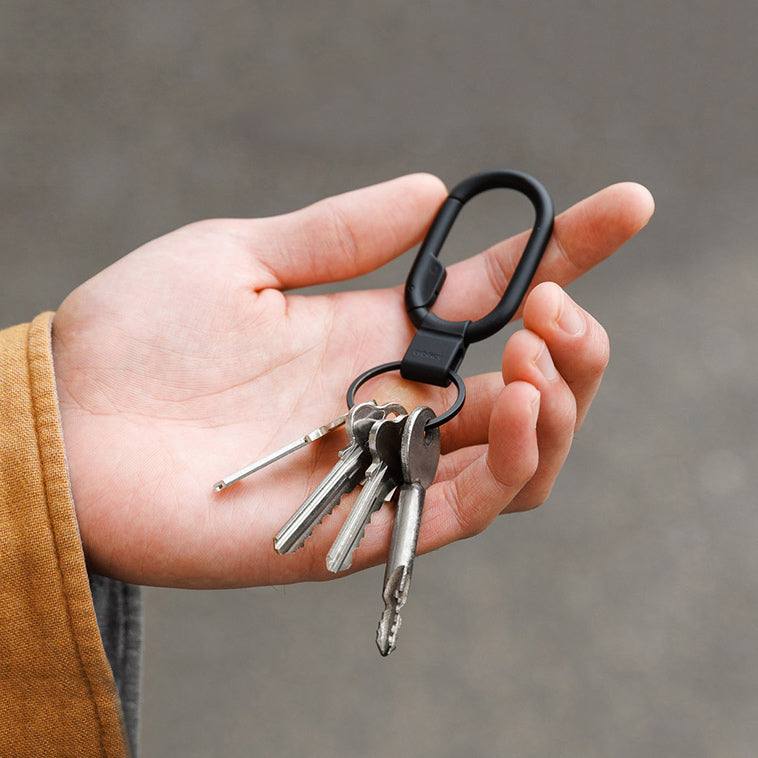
{"type": "Point", "coordinates": [438, 347]}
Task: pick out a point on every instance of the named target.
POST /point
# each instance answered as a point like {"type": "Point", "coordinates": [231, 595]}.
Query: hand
{"type": "Point", "coordinates": [187, 359]}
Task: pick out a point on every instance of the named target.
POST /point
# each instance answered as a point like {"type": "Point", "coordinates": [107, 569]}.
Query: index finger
{"type": "Point", "coordinates": [583, 236]}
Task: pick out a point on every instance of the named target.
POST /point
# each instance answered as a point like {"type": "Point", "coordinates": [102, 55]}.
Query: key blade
{"type": "Point", "coordinates": [419, 454]}
{"type": "Point", "coordinates": [340, 556]}
{"type": "Point", "coordinates": [282, 452]}
{"type": "Point", "coordinates": [381, 478]}
{"type": "Point", "coordinates": [343, 477]}
{"type": "Point", "coordinates": [402, 553]}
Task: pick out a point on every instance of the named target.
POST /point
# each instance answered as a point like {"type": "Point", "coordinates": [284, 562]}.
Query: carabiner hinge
{"type": "Point", "coordinates": [435, 353]}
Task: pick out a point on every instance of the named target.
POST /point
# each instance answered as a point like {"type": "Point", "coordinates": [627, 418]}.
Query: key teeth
{"type": "Point", "coordinates": [395, 588]}
{"type": "Point", "coordinates": [292, 550]}
{"type": "Point", "coordinates": [394, 599]}
{"type": "Point", "coordinates": [393, 632]}
{"type": "Point", "coordinates": [386, 638]}
{"type": "Point", "coordinates": [306, 536]}
{"type": "Point", "coordinates": [336, 566]}
{"type": "Point", "coordinates": [305, 539]}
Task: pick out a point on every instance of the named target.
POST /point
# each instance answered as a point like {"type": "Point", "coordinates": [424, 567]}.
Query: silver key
{"type": "Point", "coordinates": [267, 460]}
{"type": "Point", "coordinates": [343, 478]}
{"type": "Point", "coordinates": [419, 454]}
{"type": "Point", "coordinates": [382, 476]}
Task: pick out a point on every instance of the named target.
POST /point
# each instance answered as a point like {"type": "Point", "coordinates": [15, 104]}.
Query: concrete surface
{"type": "Point", "coordinates": [622, 618]}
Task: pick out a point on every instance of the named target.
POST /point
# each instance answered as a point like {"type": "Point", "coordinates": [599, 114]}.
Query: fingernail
{"type": "Point", "coordinates": [544, 362]}
{"type": "Point", "coordinates": [570, 318]}
{"type": "Point", "coordinates": [535, 408]}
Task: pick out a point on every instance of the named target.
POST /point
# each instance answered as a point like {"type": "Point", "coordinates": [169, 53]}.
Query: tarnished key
{"type": "Point", "coordinates": [419, 455]}
{"type": "Point", "coordinates": [382, 476]}
{"type": "Point", "coordinates": [346, 474]}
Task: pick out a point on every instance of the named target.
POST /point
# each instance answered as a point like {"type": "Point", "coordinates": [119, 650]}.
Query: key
{"type": "Point", "coordinates": [419, 455]}
{"type": "Point", "coordinates": [267, 460]}
{"type": "Point", "coordinates": [343, 478]}
{"type": "Point", "coordinates": [382, 476]}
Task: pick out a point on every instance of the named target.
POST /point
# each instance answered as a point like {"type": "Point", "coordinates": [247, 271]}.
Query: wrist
{"type": "Point", "coordinates": [70, 418]}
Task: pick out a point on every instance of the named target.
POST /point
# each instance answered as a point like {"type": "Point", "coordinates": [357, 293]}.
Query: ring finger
{"type": "Point", "coordinates": [527, 358]}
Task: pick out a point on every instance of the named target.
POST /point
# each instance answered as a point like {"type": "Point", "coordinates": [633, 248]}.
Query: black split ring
{"type": "Point", "coordinates": [383, 368]}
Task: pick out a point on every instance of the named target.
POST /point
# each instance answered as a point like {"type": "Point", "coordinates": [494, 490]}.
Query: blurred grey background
{"type": "Point", "coordinates": [621, 619]}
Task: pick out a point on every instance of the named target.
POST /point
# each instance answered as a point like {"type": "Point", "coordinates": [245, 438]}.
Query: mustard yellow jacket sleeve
{"type": "Point", "coordinates": [57, 693]}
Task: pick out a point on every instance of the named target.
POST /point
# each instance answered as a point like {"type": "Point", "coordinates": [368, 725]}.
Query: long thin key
{"type": "Point", "coordinates": [343, 478]}
{"type": "Point", "coordinates": [382, 476]}
{"type": "Point", "coordinates": [267, 460]}
{"type": "Point", "coordinates": [419, 454]}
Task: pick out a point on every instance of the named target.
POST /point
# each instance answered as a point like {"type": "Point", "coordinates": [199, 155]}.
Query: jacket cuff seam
{"type": "Point", "coordinates": [56, 488]}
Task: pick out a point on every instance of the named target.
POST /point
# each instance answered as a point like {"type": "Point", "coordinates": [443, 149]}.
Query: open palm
{"type": "Point", "coordinates": [187, 359]}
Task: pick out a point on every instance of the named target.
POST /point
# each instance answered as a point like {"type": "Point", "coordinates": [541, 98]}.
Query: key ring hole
{"type": "Point", "coordinates": [384, 368]}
